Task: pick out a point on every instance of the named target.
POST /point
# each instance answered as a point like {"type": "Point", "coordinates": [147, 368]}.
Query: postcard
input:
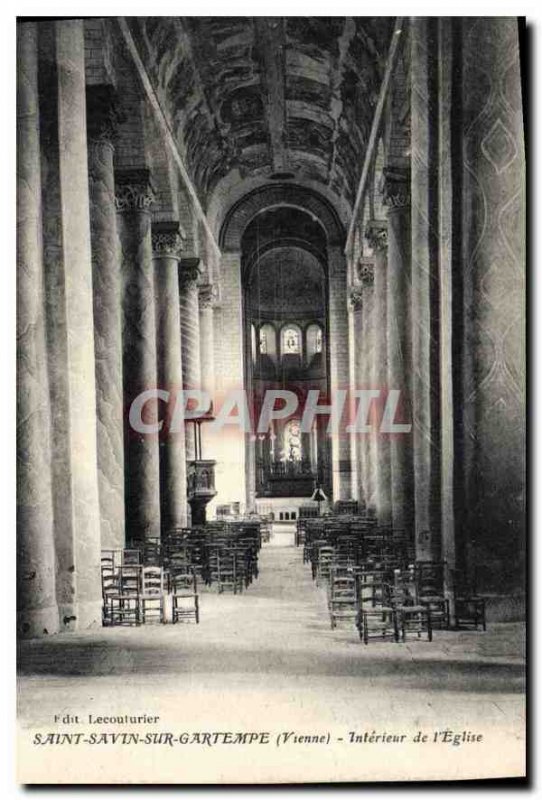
{"type": "Point", "coordinates": [271, 399]}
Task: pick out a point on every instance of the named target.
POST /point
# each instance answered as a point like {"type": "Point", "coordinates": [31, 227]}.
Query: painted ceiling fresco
{"type": "Point", "coordinates": [280, 97]}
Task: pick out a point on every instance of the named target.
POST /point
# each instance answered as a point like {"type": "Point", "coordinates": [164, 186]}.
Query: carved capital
{"type": "Point", "coordinates": [103, 115]}
{"type": "Point", "coordinates": [189, 271]}
{"type": "Point", "coordinates": [396, 188]}
{"type": "Point", "coordinates": [207, 295]}
{"type": "Point", "coordinates": [366, 271]}
{"type": "Point", "coordinates": [167, 239]}
{"type": "Point", "coordinates": [376, 235]}
{"type": "Point", "coordinates": [356, 297]}
{"type": "Point", "coordinates": [133, 190]}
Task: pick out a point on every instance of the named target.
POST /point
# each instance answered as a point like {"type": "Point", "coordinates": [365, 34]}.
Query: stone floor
{"type": "Point", "coordinates": [267, 660]}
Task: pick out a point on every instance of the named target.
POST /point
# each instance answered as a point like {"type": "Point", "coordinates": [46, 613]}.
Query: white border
{"type": "Point", "coordinates": [7, 293]}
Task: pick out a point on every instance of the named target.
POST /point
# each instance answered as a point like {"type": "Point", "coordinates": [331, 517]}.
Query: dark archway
{"type": "Point", "coordinates": [280, 195]}
{"type": "Point", "coordinates": [285, 291]}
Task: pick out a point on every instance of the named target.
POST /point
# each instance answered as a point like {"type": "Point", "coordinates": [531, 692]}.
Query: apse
{"type": "Point", "coordinates": [286, 320]}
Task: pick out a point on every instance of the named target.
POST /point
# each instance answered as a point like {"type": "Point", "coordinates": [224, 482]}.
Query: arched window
{"type": "Point", "coordinates": [267, 341]}
{"type": "Point", "coordinates": [291, 341]}
{"type": "Point", "coordinates": [315, 341]}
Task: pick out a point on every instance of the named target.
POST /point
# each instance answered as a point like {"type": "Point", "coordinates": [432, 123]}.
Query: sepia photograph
{"type": "Point", "coordinates": [271, 399]}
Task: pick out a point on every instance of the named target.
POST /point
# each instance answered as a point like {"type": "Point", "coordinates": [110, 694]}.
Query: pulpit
{"type": "Point", "coordinates": [200, 487]}
{"type": "Point", "coordinates": [200, 476]}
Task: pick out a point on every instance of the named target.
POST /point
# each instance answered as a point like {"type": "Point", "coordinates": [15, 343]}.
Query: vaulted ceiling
{"type": "Point", "coordinates": [278, 97]}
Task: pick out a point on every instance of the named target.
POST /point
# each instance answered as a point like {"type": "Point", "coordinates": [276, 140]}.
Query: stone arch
{"type": "Point", "coordinates": [279, 194]}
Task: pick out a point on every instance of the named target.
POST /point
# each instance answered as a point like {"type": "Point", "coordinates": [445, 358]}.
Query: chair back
{"type": "Point", "coordinates": [131, 557]}
{"type": "Point", "coordinates": [130, 581]}
{"type": "Point", "coordinates": [152, 581]}
{"type": "Point", "coordinates": [430, 578]}
{"type": "Point", "coordinates": [405, 589]}
{"type": "Point", "coordinates": [110, 582]}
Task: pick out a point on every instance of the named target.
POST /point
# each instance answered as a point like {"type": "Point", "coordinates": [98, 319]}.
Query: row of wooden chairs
{"type": "Point", "coordinates": [422, 585]}
{"type": "Point", "coordinates": [379, 608]}
{"type": "Point", "coordinates": [135, 594]}
{"type": "Point", "coordinates": [343, 550]}
{"type": "Point", "coordinates": [224, 554]}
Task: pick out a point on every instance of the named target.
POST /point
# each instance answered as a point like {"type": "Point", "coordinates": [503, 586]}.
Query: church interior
{"type": "Point", "coordinates": [256, 204]}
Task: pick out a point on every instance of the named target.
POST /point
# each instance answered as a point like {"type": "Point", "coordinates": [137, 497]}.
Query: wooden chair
{"type": "Point", "coordinates": [111, 558]}
{"type": "Point", "coordinates": [469, 606]}
{"type": "Point", "coordinates": [342, 596]}
{"type": "Point", "coordinates": [412, 616]}
{"type": "Point", "coordinates": [325, 560]}
{"type": "Point", "coordinates": [151, 551]}
{"type": "Point", "coordinates": [184, 597]}
{"type": "Point", "coordinates": [429, 576]}
{"type": "Point", "coordinates": [152, 594]}
{"type": "Point", "coordinates": [231, 574]}
{"type": "Point", "coordinates": [376, 617]}
{"type": "Point", "coordinates": [124, 606]}
{"type": "Point", "coordinates": [110, 591]}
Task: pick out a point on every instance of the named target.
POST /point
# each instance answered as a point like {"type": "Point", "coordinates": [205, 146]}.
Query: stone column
{"type": "Point", "coordinates": [37, 612]}
{"type": "Point", "coordinates": [207, 337]}
{"type": "Point", "coordinates": [354, 333]}
{"type": "Point", "coordinates": [107, 286]}
{"type": "Point", "coordinates": [447, 268]}
{"type": "Point", "coordinates": [491, 217]}
{"type": "Point", "coordinates": [85, 609]}
{"type": "Point", "coordinates": [134, 196]}
{"type": "Point", "coordinates": [167, 246]}
{"type": "Point", "coordinates": [397, 200]}
{"type": "Point", "coordinates": [207, 302]}
{"type": "Point", "coordinates": [229, 446]}
{"type": "Point", "coordinates": [425, 286]}
{"type": "Point", "coordinates": [56, 325]}
{"type": "Point", "coordinates": [356, 304]}
{"type": "Point", "coordinates": [377, 236]}
{"type": "Point", "coordinates": [189, 273]}
{"type": "Point", "coordinates": [365, 277]}
{"type": "Point", "coordinates": [339, 368]}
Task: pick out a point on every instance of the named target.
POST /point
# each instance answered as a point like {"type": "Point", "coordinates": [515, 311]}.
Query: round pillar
{"type": "Point", "coordinates": [367, 440]}
{"type": "Point", "coordinates": [189, 273]}
{"type": "Point", "coordinates": [107, 290]}
{"type": "Point", "coordinates": [166, 246]}
{"type": "Point", "coordinates": [85, 608]}
{"type": "Point", "coordinates": [134, 196]}
{"type": "Point", "coordinates": [37, 612]}
{"type": "Point", "coordinates": [206, 302]}
{"type": "Point", "coordinates": [356, 303]}
{"type": "Point", "coordinates": [397, 200]}
{"type": "Point", "coordinates": [377, 237]}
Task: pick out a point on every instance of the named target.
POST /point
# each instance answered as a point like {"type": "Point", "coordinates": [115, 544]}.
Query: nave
{"type": "Point", "coordinates": [267, 660]}
{"type": "Point", "coordinates": [180, 228]}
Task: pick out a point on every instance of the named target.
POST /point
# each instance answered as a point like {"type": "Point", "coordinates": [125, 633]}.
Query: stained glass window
{"type": "Point", "coordinates": [291, 341]}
